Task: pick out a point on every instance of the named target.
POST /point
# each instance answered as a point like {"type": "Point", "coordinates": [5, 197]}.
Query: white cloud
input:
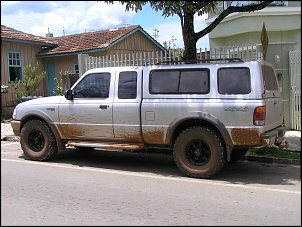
{"type": "Point", "coordinates": [73, 17]}
{"type": "Point", "coordinates": [35, 17]}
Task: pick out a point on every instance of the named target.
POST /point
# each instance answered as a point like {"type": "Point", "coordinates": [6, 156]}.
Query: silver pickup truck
{"type": "Point", "coordinates": [205, 114]}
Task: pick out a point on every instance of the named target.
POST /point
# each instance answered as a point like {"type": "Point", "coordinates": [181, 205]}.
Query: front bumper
{"type": "Point", "coordinates": [16, 125]}
{"type": "Point", "coordinates": [274, 137]}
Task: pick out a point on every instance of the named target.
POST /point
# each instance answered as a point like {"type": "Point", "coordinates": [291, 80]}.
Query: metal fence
{"type": "Point", "coordinates": [295, 94]}
{"type": "Point", "coordinates": [87, 62]}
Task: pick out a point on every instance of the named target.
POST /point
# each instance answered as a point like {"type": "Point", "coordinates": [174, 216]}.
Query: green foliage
{"type": "Point", "coordinates": [30, 84]}
{"type": "Point", "coordinates": [274, 152]}
{"type": "Point", "coordinates": [66, 72]}
{"type": "Point", "coordinates": [59, 83]}
{"type": "Point", "coordinates": [59, 87]}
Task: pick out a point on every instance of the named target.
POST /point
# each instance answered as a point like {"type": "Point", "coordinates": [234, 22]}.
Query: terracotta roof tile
{"type": "Point", "coordinates": [10, 33]}
{"type": "Point", "coordinates": [71, 43]}
{"type": "Point", "coordinates": [87, 41]}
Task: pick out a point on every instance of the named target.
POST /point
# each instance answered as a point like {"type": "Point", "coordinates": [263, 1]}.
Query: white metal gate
{"type": "Point", "coordinates": [295, 94]}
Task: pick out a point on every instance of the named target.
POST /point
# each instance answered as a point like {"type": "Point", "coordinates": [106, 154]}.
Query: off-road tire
{"type": "Point", "coordinates": [38, 141]}
{"type": "Point", "coordinates": [199, 152]}
{"type": "Point", "coordinates": [238, 154]}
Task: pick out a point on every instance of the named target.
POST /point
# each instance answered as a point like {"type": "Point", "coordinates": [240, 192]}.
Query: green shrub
{"type": "Point", "coordinates": [29, 86]}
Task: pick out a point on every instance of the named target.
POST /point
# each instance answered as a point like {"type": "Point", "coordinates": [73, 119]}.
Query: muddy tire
{"type": "Point", "coordinates": [38, 141]}
{"type": "Point", "coordinates": [238, 154]}
{"type": "Point", "coordinates": [199, 152]}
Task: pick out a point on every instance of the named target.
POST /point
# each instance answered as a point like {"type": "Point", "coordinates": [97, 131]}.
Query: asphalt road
{"type": "Point", "coordinates": [116, 188]}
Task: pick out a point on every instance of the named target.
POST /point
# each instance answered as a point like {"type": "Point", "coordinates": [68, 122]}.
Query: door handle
{"type": "Point", "coordinates": [104, 106]}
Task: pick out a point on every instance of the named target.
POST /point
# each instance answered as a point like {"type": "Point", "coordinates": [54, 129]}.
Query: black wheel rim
{"type": "Point", "coordinates": [198, 152]}
{"type": "Point", "coordinates": [36, 140]}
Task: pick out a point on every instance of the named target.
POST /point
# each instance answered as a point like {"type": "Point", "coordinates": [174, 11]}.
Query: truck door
{"type": "Point", "coordinates": [89, 114]}
{"type": "Point", "coordinates": [126, 104]}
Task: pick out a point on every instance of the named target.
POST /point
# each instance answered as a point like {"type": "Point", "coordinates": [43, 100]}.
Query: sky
{"type": "Point", "coordinates": [73, 17]}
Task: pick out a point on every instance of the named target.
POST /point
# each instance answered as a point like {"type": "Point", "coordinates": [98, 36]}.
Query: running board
{"type": "Point", "coordinates": [107, 146]}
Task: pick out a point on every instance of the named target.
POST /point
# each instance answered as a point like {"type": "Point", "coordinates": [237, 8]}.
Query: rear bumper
{"type": "Point", "coordinates": [274, 137]}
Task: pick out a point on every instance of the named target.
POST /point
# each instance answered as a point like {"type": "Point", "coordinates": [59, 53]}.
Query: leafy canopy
{"type": "Point", "coordinates": [186, 11]}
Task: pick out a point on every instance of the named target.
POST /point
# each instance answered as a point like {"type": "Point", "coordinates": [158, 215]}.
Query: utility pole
{"type": "Point", "coordinates": [173, 41]}
{"type": "Point", "coordinates": [155, 33]}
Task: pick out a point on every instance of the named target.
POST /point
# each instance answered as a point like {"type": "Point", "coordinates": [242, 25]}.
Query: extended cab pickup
{"type": "Point", "coordinates": [206, 114]}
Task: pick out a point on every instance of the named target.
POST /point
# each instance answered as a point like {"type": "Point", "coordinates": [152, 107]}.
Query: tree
{"type": "Point", "coordinates": [186, 11]}
{"type": "Point", "coordinates": [30, 84]}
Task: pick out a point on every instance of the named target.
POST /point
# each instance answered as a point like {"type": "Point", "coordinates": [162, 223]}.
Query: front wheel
{"type": "Point", "coordinates": [199, 152]}
{"type": "Point", "coordinates": [38, 141]}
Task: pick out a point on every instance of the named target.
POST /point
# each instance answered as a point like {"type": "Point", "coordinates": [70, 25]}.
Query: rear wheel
{"type": "Point", "coordinates": [38, 141]}
{"type": "Point", "coordinates": [199, 152]}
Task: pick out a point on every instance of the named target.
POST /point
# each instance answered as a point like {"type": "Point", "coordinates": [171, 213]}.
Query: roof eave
{"type": "Point", "coordinates": [70, 53]}
{"type": "Point", "coordinates": [27, 42]}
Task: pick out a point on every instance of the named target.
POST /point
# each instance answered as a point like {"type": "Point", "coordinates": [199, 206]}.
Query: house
{"type": "Point", "coordinates": [282, 21]}
{"type": "Point", "coordinates": [60, 54]}
{"type": "Point", "coordinates": [19, 49]}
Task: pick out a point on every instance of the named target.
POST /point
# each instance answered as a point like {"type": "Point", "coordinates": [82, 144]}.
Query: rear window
{"type": "Point", "coordinates": [193, 81]}
{"type": "Point", "coordinates": [270, 81]}
{"type": "Point", "coordinates": [127, 85]}
{"type": "Point", "coordinates": [234, 81]}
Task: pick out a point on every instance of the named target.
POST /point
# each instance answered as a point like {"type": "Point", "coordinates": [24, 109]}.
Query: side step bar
{"type": "Point", "coordinates": [107, 146]}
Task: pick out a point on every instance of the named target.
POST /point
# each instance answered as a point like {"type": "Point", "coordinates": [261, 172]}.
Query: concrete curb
{"type": "Point", "coordinates": [247, 157]}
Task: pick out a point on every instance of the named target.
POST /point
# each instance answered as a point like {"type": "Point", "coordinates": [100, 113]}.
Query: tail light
{"type": "Point", "coordinates": [259, 115]}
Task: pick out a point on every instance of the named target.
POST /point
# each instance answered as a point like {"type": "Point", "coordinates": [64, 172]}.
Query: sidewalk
{"type": "Point", "coordinates": [292, 137]}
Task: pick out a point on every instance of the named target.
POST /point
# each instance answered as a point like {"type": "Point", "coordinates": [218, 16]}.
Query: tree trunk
{"type": "Point", "coordinates": [189, 37]}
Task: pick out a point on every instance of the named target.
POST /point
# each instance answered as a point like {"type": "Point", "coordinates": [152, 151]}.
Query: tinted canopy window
{"type": "Point", "coordinates": [179, 81]}
{"type": "Point", "coordinates": [234, 81]}
{"type": "Point", "coordinates": [127, 85]}
{"type": "Point", "coordinates": [270, 81]}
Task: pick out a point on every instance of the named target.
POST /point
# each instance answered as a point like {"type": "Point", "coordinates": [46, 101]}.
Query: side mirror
{"type": "Point", "coordinates": [68, 94]}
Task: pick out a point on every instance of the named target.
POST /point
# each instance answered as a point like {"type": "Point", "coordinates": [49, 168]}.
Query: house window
{"type": "Point", "coordinates": [14, 66]}
{"type": "Point", "coordinates": [75, 68]}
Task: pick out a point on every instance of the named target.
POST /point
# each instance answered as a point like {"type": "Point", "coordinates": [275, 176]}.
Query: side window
{"type": "Point", "coordinates": [193, 81]}
{"type": "Point", "coordinates": [94, 85]}
{"type": "Point", "coordinates": [14, 66]}
{"type": "Point", "coordinates": [270, 81]}
{"type": "Point", "coordinates": [164, 81]}
{"type": "Point", "coordinates": [127, 85]}
{"type": "Point", "coordinates": [234, 81]}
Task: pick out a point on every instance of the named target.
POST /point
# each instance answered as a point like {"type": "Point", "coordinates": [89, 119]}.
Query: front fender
{"type": "Point", "coordinates": [39, 114]}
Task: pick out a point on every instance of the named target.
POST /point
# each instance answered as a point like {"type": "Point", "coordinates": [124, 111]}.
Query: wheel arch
{"type": "Point", "coordinates": [43, 117]}
{"type": "Point", "coordinates": [199, 119]}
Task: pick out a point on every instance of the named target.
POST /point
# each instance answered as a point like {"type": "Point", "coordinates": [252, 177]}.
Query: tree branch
{"type": "Point", "coordinates": [228, 11]}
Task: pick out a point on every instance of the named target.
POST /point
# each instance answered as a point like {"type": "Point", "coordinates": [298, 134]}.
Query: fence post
{"type": "Point", "coordinates": [82, 64]}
